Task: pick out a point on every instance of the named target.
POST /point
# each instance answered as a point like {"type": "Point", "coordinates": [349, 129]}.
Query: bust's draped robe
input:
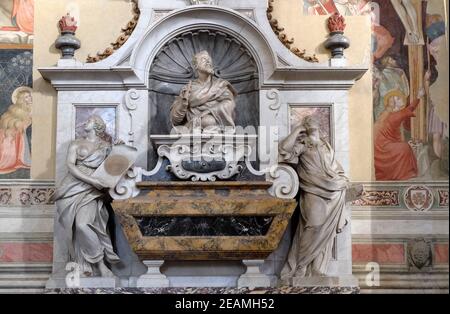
{"type": "Point", "coordinates": [84, 216]}
{"type": "Point", "coordinates": [215, 98]}
{"type": "Point", "coordinates": [322, 206]}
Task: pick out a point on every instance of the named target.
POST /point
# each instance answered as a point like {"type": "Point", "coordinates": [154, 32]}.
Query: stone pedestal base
{"type": "Point", "coordinates": [338, 62]}
{"type": "Point", "coordinates": [253, 277]}
{"type": "Point", "coordinates": [153, 278]}
{"type": "Point", "coordinates": [341, 281]}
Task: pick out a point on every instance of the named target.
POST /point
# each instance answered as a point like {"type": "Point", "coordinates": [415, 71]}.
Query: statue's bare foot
{"type": "Point", "coordinates": [104, 271]}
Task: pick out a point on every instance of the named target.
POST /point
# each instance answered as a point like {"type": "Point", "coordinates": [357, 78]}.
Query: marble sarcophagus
{"type": "Point", "coordinates": [204, 221]}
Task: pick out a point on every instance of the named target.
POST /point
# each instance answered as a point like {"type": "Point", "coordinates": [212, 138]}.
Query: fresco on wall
{"type": "Point", "coordinates": [16, 21]}
{"type": "Point", "coordinates": [15, 113]}
{"type": "Point", "coordinates": [108, 114]}
{"type": "Point", "coordinates": [322, 113]}
{"type": "Point", "coordinates": [344, 7]}
{"type": "Point", "coordinates": [16, 64]}
{"type": "Point", "coordinates": [410, 84]}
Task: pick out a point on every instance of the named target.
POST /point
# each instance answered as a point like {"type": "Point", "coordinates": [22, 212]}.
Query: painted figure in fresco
{"type": "Point", "coordinates": [80, 202]}
{"type": "Point", "coordinates": [344, 7]}
{"type": "Point", "coordinates": [353, 7]}
{"type": "Point", "coordinates": [320, 7]}
{"type": "Point", "coordinates": [436, 84]}
{"type": "Point", "coordinates": [22, 17]}
{"type": "Point", "coordinates": [391, 77]}
{"type": "Point", "coordinates": [408, 16]}
{"type": "Point", "coordinates": [207, 103]}
{"type": "Point", "coordinates": [323, 186]}
{"type": "Point", "coordinates": [14, 147]}
{"type": "Point", "coordinates": [394, 158]}
{"type": "Point", "coordinates": [382, 41]}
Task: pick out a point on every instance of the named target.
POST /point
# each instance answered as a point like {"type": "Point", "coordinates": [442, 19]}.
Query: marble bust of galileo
{"type": "Point", "coordinates": [207, 103]}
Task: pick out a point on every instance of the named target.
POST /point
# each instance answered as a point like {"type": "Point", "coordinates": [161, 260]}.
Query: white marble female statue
{"type": "Point", "coordinates": [206, 103]}
{"type": "Point", "coordinates": [80, 202]}
{"type": "Point", "coordinates": [322, 200]}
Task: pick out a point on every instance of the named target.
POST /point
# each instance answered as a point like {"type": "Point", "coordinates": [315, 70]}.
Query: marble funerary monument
{"type": "Point", "coordinates": [178, 164]}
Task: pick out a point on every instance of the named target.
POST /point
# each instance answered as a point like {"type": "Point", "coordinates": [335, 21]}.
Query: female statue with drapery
{"type": "Point", "coordinates": [80, 202]}
{"type": "Point", "coordinates": [323, 186]}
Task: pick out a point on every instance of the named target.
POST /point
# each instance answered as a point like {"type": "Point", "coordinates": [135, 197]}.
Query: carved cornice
{"type": "Point", "coordinates": [122, 39]}
{"type": "Point", "coordinates": [284, 38]}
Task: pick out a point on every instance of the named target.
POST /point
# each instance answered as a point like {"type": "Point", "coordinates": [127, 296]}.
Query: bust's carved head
{"type": "Point", "coordinates": [202, 63]}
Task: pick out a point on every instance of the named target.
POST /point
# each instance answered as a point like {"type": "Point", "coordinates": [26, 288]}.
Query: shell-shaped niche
{"type": "Point", "coordinates": [232, 61]}
{"type": "Point", "coordinates": [172, 69]}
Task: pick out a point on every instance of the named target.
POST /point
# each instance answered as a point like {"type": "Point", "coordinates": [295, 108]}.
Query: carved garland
{"type": "Point", "coordinates": [279, 31]}
{"type": "Point", "coordinates": [122, 39]}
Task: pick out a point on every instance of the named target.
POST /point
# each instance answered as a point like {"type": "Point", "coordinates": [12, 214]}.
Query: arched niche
{"type": "Point", "coordinates": [172, 69]}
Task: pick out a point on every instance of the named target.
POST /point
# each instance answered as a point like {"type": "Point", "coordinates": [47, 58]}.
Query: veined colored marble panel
{"type": "Point", "coordinates": [19, 252]}
{"type": "Point", "coordinates": [379, 253]}
{"type": "Point", "coordinates": [441, 253]}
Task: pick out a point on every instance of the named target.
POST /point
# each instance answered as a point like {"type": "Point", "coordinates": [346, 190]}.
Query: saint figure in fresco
{"type": "Point", "coordinates": [388, 76]}
{"type": "Point", "coordinates": [323, 187]}
{"type": "Point", "coordinates": [353, 7]}
{"type": "Point", "coordinates": [394, 158]}
{"type": "Point", "coordinates": [344, 7]}
{"type": "Point", "coordinates": [320, 7]}
{"type": "Point", "coordinates": [382, 41]}
{"type": "Point", "coordinates": [408, 15]}
{"type": "Point", "coordinates": [436, 83]}
{"type": "Point", "coordinates": [14, 147]}
{"type": "Point", "coordinates": [22, 17]}
{"type": "Point", "coordinates": [80, 202]}
{"type": "Point", "coordinates": [207, 103]}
